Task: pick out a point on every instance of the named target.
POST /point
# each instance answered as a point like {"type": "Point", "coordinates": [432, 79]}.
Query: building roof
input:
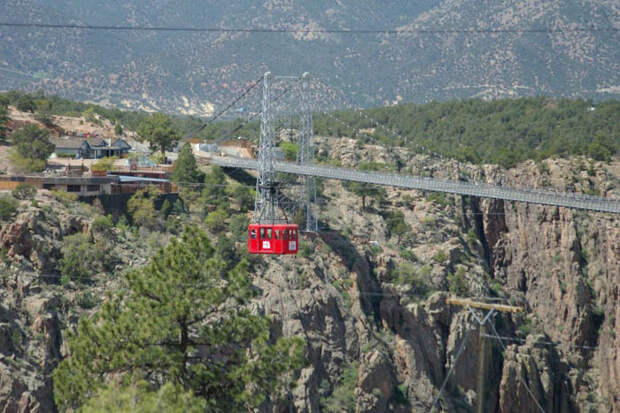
{"type": "Point", "coordinates": [127, 178]}
{"type": "Point", "coordinates": [71, 142]}
{"type": "Point", "coordinates": [95, 141]}
{"type": "Point", "coordinates": [67, 142]}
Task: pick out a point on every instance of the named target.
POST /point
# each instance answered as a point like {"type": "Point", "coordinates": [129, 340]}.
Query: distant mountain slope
{"type": "Point", "coordinates": [199, 72]}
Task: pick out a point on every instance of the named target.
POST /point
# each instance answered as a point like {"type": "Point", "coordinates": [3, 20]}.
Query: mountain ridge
{"type": "Point", "coordinates": [197, 73]}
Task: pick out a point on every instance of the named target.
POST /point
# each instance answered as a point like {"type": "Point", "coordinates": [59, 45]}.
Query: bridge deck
{"type": "Point", "coordinates": [532, 196]}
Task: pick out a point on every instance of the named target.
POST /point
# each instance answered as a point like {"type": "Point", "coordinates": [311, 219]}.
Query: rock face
{"type": "Point", "coordinates": [534, 379]}
{"type": "Point", "coordinates": [372, 305]}
{"type": "Point", "coordinates": [35, 310]}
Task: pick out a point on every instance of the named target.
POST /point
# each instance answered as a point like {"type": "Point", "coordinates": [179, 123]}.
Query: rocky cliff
{"type": "Point", "coordinates": [371, 302]}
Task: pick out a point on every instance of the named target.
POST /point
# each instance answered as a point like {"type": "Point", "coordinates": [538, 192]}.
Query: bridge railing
{"type": "Point", "coordinates": [483, 190]}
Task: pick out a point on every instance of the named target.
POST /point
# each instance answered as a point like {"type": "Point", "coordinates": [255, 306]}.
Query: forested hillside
{"type": "Point", "coordinates": [504, 131]}
{"type": "Point", "coordinates": [501, 132]}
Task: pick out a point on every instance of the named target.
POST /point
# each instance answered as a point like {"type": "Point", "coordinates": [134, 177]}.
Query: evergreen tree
{"type": "Point", "coordinates": [216, 220]}
{"type": "Point", "coordinates": [239, 227]}
{"type": "Point", "coordinates": [364, 189]}
{"type": "Point", "coordinates": [31, 148]}
{"type": "Point", "coordinates": [25, 103]}
{"type": "Point", "coordinates": [185, 169]}
{"type": "Point", "coordinates": [244, 195]}
{"type": "Point", "coordinates": [159, 131]}
{"type": "Point", "coordinates": [4, 120]}
{"type": "Point", "coordinates": [33, 142]}
{"type": "Point", "coordinates": [179, 321]}
{"type": "Point", "coordinates": [214, 193]}
{"type": "Point", "coordinates": [141, 208]}
{"type": "Point", "coordinates": [396, 224]}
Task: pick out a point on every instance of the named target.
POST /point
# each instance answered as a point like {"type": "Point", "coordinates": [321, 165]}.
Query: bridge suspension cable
{"type": "Point", "coordinates": [531, 196]}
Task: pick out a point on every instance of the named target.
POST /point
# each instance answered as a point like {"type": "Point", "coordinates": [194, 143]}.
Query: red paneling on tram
{"type": "Point", "coordinates": [273, 239]}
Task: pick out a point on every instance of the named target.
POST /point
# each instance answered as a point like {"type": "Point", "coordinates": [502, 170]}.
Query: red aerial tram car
{"type": "Point", "coordinates": [273, 239]}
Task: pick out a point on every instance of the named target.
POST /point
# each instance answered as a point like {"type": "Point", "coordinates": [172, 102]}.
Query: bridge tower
{"type": "Point", "coordinates": [305, 154]}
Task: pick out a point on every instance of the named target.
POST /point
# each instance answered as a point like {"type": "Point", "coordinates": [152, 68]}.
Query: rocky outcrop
{"type": "Point", "coordinates": [534, 379]}
{"type": "Point", "coordinates": [372, 306]}
{"type": "Point", "coordinates": [565, 264]}
{"type": "Point", "coordinates": [34, 308]}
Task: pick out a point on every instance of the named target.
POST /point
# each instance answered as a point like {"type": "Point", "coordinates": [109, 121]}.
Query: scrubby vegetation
{"type": "Point", "coordinates": [24, 191]}
{"type": "Point", "coordinates": [104, 164]}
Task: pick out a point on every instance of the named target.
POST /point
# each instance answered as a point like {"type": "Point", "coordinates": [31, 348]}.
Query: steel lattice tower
{"type": "Point", "coordinates": [266, 205]}
{"type": "Point", "coordinates": [266, 200]}
{"type": "Point", "coordinates": [305, 154]}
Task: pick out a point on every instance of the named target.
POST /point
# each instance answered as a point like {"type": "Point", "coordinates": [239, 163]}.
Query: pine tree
{"type": "Point", "coordinates": [31, 148]}
{"type": "Point", "coordinates": [185, 169]}
{"type": "Point", "coordinates": [179, 321]}
{"type": "Point", "coordinates": [4, 119]}
{"type": "Point", "coordinates": [214, 193]}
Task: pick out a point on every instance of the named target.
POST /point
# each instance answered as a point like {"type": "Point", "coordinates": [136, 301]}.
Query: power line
{"type": "Point", "coordinates": [307, 31]}
{"type": "Point", "coordinates": [458, 355]}
{"type": "Point", "coordinates": [518, 374]}
{"type": "Point", "coordinates": [540, 343]}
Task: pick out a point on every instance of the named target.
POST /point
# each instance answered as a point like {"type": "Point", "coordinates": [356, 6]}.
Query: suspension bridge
{"type": "Point", "coordinates": [267, 165]}
{"type": "Point", "coordinates": [531, 196]}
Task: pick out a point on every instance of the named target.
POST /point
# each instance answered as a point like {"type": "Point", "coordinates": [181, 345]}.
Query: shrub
{"type": "Point", "coordinates": [440, 257]}
{"type": "Point", "coordinates": [45, 118]}
{"type": "Point", "coordinates": [24, 191]}
{"type": "Point", "coordinates": [23, 164]}
{"type": "Point", "coordinates": [158, 158]}
{"type": "Point", "coordinates": [290, 150]}
{"type": "Point", "coordinates": [79, 257]}
{"type": "Point", "coordinates": [343, 397]}
{"type": "Point", "coordinates": [525, 328]}
{"type": "Point", "coordinates": [64, 197]}
{"type": "Point", "coordinates": [437, 198]}
{"type": "Point", "coordinates": [457, 282]}
{"type": "Point", "coordinates": [87, 300]}
{"type": "Point", "coordinates": [104, 164]}
{"type": "Point", "coordinates": [396, 224]}
{"type": "Point", "coordinates": [306, 250]}
{"type": "Point", "coordinates": [103, 223]}
{"type": "Point", "coordinates": [420, 281]}
{"type": "Point", "coordinates": [408, 255]}
{"type": "Point", "coordinates": [471, 235]}
{"type": "Point", "coordinates": [216, 220]}
{"type": "Point", "coordinates": [8, 207]}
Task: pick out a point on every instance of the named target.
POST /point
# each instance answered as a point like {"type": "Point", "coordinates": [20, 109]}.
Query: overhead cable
{"type": "Point", "coordinates": [230, 105]}
{"type": "Point", "coordinates": [425, 31]}
{"type": "Point", "coordinates": [521, 379]}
